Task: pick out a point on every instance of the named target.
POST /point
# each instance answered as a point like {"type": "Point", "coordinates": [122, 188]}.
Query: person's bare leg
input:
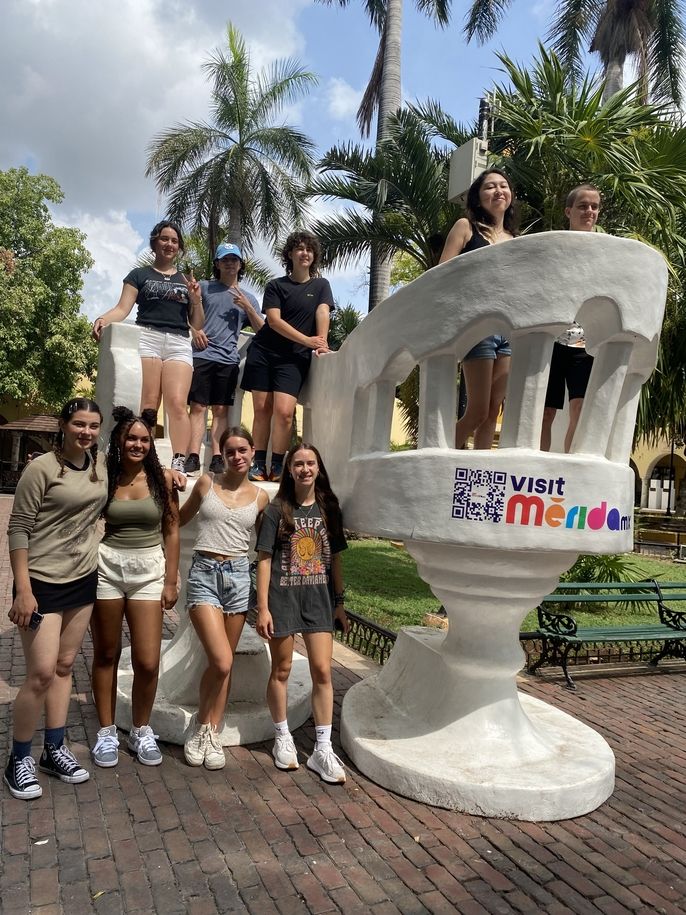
{"type": "Point", "coordinates": [151, 383]}
{"type": "Point", "coordinates": [284, 408]}
{"type": "Point", "coordinates": [106, 631]}
{"type": "Point", "coordinates": [198, 425]}
{"type": "Point", "coordinates": [478, 374]}
{"type": "Point", "coordinates": [485, 433]}
{"type": "Point", "coordinates": [319, 651]}
{"type": "Point", "coordinates": [74, 625]}
{"type": "Point", "coordinates": [277, 687]}
{"type": "Point", "coordinates": [574, 414]}
{"type": "Point", "coordinates": [549, 414]}
{"type": "Point", "coordinates": [145, 626]}
{"type": "Point", "coordinates": [176, 383]}
{"type": "Point", "coordinates": [262, 405]}
{"type": "Point", "coordinates": [41, 648]}
{"type": "Point", "coordinates": [220, 415]}
{"type": "Point", "coordinates": [219, 635]}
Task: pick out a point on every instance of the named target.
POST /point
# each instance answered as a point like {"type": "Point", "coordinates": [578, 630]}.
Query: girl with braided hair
{"type": "Point", "coordinates": [138, 570]}
{"type": "Point", "coordinates": [54, 554]}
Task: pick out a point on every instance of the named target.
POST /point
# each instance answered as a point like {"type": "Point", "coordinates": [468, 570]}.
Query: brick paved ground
{"type": "Point", "coordinates": [253, 839]}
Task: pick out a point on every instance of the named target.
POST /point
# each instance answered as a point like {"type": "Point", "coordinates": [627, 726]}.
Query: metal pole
{"type": "Point", "coordinates": [669, 486]}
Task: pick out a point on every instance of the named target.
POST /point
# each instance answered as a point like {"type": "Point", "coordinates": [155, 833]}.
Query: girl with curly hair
{"type": "Point", "coordinates": [138, 568]}
{"type": "Point", "coordinates": [491, 219]}
{"type": "Point", "coordinates": [300, 590]}
{"type": "Point", "coordinates": [298, 307]}
{"type": "Point", "coordinates": [54, 554]}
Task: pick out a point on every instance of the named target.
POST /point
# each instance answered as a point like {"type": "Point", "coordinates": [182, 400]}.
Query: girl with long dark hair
{"type": "Point", "coordinates": [138, 568]}
{"type": "Point", "coordinates": [491, 219]}
{"type": "Point", "coordinates": [228, 506]}
{"type": "Point", "coordinates": [168, 302]}
{"type": "Point", "coordinates": [300, 590]}
{"type": "Point", "coordinates": [53, 552]}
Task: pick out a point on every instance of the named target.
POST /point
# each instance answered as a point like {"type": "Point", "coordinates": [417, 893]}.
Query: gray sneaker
{"type": "Point", "coordinates": [105, 753]}
{"type": "Point", "coordinates": [143, 744]}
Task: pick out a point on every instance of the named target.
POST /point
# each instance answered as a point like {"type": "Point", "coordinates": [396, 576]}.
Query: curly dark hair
{"type": "Point", "coordinates": [301, 238]}
{"type": "Point", "coordinates": [326, 499]}
{"type": "Point", "coordinates": [156, 231]}
{"type": "Point", "coordinates": [480, 217]}
{"type": "Point", "coordinates": [154, 473]}
{"type": "Point", "coordinates": [73, 406]}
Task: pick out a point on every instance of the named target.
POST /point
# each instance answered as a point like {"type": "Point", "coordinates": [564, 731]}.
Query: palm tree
{"type": "Point", "coordinates": [648, 32]}
{"type": "Point", "coordinates": [241, 170]}
{"type": "Point", "coordinates": [383, 97]}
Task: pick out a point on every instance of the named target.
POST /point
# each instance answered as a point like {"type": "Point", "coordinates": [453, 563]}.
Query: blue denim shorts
{"type": "Point", "coordinates": [490, 348]}
{"type": "Point", "coordinates": [224, 584]}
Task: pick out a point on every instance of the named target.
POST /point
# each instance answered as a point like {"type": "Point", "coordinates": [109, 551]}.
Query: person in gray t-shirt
{"type": "Point", "coordinates": [215, 351]}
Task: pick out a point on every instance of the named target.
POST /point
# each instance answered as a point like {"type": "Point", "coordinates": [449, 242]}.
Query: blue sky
{"type": "Point", "coordinates": [87, 85]}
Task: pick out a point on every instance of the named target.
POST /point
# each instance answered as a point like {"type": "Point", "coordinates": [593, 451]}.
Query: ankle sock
{"type": "Point", "coordinates": [21, 749]}
{"type": "Point", "coordinates": [261, 457]}
{"type": "Point", "coordinates": [277, 459]}
{"type": "Point", "coordinates": [281, 728]}
{"type": "Point", "coordinates": [323, 735]}
{"type": "Point", "coordinates": [54, 736]}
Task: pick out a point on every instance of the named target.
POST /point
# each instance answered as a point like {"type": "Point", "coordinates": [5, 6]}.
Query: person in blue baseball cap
{"type": "Point", "coordinates": [227, 310]}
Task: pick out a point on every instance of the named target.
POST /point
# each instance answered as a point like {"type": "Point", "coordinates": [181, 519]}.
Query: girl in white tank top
{"type": "Point", "coordinates": [218, 587]}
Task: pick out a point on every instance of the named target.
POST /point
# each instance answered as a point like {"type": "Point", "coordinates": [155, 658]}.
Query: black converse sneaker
{"type": "Point", "coordinates": [61, 762]}
{"type": "Point", "coordinates": [21, 779]}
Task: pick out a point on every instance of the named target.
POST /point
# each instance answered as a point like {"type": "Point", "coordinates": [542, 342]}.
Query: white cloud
{"type": "Point", "coordinates": [343, 99]}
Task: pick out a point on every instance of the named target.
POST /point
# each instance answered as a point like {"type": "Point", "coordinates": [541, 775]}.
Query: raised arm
{"type": "Point", "coordinates": [196, 313]}
{"type": "Point", "coordinates": [192, 504]}
{"type": "Point", "coordinates": [253, 314]}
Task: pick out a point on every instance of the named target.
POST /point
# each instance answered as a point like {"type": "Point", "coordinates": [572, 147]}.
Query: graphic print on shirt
{"type": "Point", "coordinates": [309, 556]}
{"type": "Point", "coordinates": [159, 289]}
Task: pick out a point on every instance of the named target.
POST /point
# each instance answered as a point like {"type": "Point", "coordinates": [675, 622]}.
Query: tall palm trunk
{"type": "Point", "coordinates": [389, 102]}
{"type": "Point", "coordinates": [614, 76]}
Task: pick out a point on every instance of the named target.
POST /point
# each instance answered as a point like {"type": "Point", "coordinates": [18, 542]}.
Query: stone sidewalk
{"type": "Point", "coordinates": [253, 839]}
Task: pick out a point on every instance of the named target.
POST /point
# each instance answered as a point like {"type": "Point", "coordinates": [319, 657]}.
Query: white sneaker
{"type": "Point", "coordinates": [179, 464]}
{"type": "Point", "coordinates": [105, 753]}
{"type": "Point", "coordinates": [326, 764]}
{"type": "Point", "coordinates": [284, 753]}
{"type": "Point", "coordinates": [194, 747]}
{"type": "Point", "coordinates": [214, 751]}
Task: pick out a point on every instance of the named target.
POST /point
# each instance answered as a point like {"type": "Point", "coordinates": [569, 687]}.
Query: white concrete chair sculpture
{"type": "Point", "coordinates": [491, 531]}
{"type": "Point", "coordinates": [183, 659]}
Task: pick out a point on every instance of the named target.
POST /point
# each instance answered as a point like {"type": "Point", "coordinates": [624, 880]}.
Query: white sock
{"type": "Point", "coordinates": [323, 733]}
{"type": "Point", "coordinates": [281, 728]}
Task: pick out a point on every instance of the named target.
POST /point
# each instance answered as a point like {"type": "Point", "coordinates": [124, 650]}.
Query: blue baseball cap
{"type": "Point", "coordinates": [225, 248]}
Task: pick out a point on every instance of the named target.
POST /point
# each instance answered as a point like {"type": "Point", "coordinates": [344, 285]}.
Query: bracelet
{"type": "Point", "coordinates": [339, 599]}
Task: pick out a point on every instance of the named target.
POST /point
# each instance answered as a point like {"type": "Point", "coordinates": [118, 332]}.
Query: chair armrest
{"type": "Point", "coordinates": [556, 623]}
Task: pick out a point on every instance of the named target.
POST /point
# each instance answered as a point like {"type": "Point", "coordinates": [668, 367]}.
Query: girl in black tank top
{"type": "Point", "coordinates": [490, 206]}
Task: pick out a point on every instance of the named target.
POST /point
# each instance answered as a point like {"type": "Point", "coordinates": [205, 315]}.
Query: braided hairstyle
{"type": "Point", "coordinates": [73, 406]}
{"type": "Point", "coordinates": [326, 499]}
{"type": "Point", "coordinates": [154, 472]}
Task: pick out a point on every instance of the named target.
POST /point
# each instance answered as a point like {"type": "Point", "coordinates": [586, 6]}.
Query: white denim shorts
{"type": "Point", "coordinates": [154, 344]}
{"type": "Point", "coordinates": [134, 574]}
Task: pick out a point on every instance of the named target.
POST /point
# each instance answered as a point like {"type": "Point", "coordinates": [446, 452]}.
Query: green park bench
{"type": "Point", "coordinates": [560, 634]}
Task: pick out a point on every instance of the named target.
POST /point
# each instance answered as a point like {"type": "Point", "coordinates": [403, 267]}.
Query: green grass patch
{"type": "Point", "coordinates": [383, 585]}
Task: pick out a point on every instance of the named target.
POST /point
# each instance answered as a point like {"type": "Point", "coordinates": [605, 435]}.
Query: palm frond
{"type": "Point", "coordinates": [483, 19]}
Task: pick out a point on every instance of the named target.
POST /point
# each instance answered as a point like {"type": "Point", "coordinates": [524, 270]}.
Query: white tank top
{"type": "Point", "coordinates": [222, 529]}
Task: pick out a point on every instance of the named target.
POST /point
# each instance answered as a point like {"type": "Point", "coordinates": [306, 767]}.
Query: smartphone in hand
{"type": "Point", "coordinates": [36, 620]}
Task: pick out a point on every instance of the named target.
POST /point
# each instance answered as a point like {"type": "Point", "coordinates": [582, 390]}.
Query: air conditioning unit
{"type": "Point", "coordinates": [466, 163]}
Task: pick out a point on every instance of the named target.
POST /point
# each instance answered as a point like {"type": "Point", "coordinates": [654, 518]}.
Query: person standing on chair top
{"type": "Point", "coordinates": [228, 309]}
{"type": "Point", "coordinates": [298, 308]}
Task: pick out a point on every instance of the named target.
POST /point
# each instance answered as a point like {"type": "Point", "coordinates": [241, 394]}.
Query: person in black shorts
{"type": "Point", "coordinates": [570, 364]}
{"type": "Point", "coordinates": [227, 310]}
{"type": "Point", "coordinates": [298, 307]}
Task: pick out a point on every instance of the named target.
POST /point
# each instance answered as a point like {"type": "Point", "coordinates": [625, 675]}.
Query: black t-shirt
{"type": "Point", "coordinates": [300, 586]}
{"type": "Point", "coordinates": [298, 303]}
{"type": "Point", "coordinates": [162, 300]}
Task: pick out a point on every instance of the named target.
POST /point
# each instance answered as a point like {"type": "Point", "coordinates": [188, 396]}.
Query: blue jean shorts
{"type": "Point", "coordinates": [490, 348]}
{"type": "Point", "coordinates": [224, 584]}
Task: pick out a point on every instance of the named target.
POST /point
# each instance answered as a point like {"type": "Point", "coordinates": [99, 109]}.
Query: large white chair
{"type": "Point", "coordinates": [491, 531]}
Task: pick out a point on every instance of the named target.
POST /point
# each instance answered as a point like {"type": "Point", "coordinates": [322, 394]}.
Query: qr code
{"type": "Point", "coordinates": [479, 495]}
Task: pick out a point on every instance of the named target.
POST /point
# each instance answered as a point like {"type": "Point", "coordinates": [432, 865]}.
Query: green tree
{"type": "Point", "coordinates": [46, 343]}
{"type": "Point", "coordinates": [383, 98]}
{"type": "Point", "coordinates": [242, 170]}
{"type": "Point", "coordinates": [648, 32]}
{"type": "Point", "coordinates": [344, 320]}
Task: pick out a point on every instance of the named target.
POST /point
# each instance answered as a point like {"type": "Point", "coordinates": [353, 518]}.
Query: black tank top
{"type": "Point", "coordinates": [476, 241]}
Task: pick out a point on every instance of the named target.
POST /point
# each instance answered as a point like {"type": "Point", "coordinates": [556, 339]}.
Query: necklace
{"type": "Point", "coordinates": [307, 511]}
{"type": "Point", "coordinates": [120, 481]}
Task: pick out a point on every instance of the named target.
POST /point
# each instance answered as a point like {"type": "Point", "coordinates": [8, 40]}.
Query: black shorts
{"type": "Point", "coordinates": [213, 382]}
{"type": "Point", "coordinates": [570, 366]}
{"type": "Point", "coordinates": [55, 597]}
{"type": "Point", "coordinates": [268, 371]}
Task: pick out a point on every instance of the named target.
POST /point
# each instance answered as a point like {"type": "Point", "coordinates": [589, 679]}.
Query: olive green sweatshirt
{"type": "Point", "coordinates": [55, 517]}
